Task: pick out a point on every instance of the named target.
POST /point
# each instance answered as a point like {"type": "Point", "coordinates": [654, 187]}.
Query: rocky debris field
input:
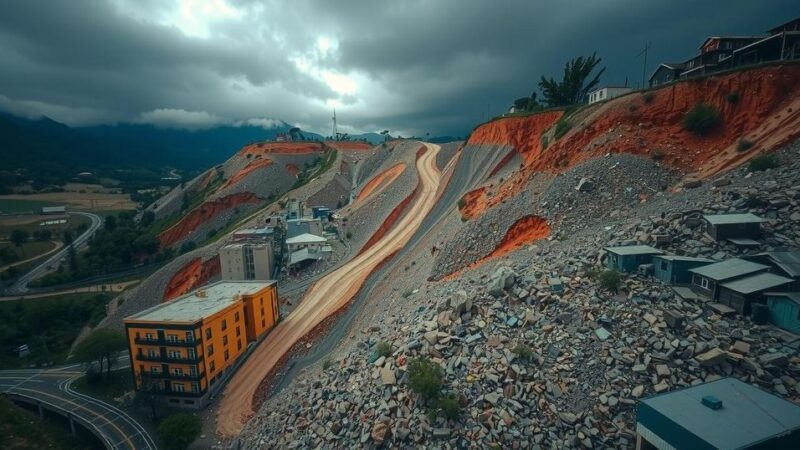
{"type": "Point", "coordinates": [536, 353]}
{"type": "Point", "coordinates": [446, 153]}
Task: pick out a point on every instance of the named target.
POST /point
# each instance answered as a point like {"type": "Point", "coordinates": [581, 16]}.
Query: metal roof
{"type": "Point", "coordinates": [757, 283]}
{"type": "Point", "coordinates": [306, 238]}
{"type": "Point", "coordinates": [788, 261]}
{"type": "Point", "coordinates": [728, 219]}
{"type": "Point", "coordinates": [728, 269]}
{"type": "Point", "coordinates": [793, 296]}
{"type": "Point", "coordinates": [748, 415]}
{"type": "Point", "coordinates": [683, 258]}
{"type": "Point", "coordinates": [634, 250]}
{"type": "Point", "coordinates": [200, 303]}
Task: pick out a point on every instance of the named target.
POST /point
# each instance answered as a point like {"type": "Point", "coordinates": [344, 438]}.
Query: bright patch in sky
{"type": "Point", "coordinates": [193, 16]}
{"type": "Point", "coordinates": [341, 84]}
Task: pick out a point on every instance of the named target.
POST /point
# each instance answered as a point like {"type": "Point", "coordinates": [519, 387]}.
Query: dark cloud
{"type": "Point", "coordinates": [410, 66]}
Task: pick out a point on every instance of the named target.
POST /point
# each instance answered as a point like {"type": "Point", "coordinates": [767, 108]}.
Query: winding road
{"type": "Point", "coordinates": [21, 285]}
{"type": "Point", "coordinates": [326, 297]}
{"type": "Point", "coordinates": [51, 389]}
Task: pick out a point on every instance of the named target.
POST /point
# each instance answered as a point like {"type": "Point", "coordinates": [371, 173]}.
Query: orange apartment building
{"type": "Point", "coordinates": [186, 348]}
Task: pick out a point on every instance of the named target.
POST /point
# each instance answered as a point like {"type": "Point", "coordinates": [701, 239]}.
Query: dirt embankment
{"type": "Point", "coordinates": [524, 231]}
{"type": "Point", "coordinates": [761, 105]}
{"type": "Point", "coordinates": [292, 169]}
{"type": "Point", "coordinates": [351, 146]}
{"type": "Point", "coordinates": [381, 180]}
{"type": "Point", "coordinates": [247, 170]}
{"type": "Point", "coordinates": [281, 148]}
{"type": "Point", "coordinates": [203, 214]}
{"type": "Point", "coordinates": [192, 275]}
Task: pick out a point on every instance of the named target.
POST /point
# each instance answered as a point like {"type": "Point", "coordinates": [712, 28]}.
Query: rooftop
{"type": "Point", "coordinates": [728, 219]}
{"type": "Point", "coordinates": [634, 250]}
{"type": "Point", "coordinates": [728, 269]}
{"type": "Point", "coordinates": [200, 303]}
{"type": "Point", "coordinates": [757, 283]}
{"type": "Point", "coordinates": [789, 261]}
{"type": "Point", "coordinates": [793, 296]}
{"type": "Point", "coordinates": [306, 238]}
{"type": "Point", "coordinates": [683, 258]}
{"type": "Point", "coordinates": [748, 415]}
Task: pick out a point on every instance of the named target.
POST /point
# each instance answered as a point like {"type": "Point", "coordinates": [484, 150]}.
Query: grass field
{"type": "Point", "coordinates": [23, 205]}
{"type": "Point", "coordinates": [120, 381]}
{"type": "Point", "coordinates": [21, 429]}
{"type": "Point", "coordinates": [29, 224]}
{"type": "Point", "coordinates": [30, 249]}
{"type": "Point", "coordinates": [74, 200]}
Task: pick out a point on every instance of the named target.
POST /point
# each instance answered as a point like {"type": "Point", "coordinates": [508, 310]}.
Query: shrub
{"type": "Point", "coordinates": [763, 162]}
{"type": "Point", "coordinates": [179, 430]}
{"type": "Point", "coordinates": [632, 108]}
{"type": "Point", "coordinates": [522, 351]}
{"type": "Point", "coordinates": [732, 98]}
{"type": "Point", "coordinates": [701, 119]}
{"type": "Point", "coordinates": [744, 145]}
{"type": "Point", "coordinates": [545, 142]}
{"type": "Point", "coordinates": [648, 97]}
{"type": "Point", "coordinates": [609, 279]}
{"type": "Point", "coordinates": [327, 364]}
{"type": "Point", "coordinates": [462, 203]}
{"type": "Point", "coordinates": [425, 378]}
{"type": "Point", "coordinates": [657, 155]}
{"type": "Point", "coordinates": [384, 348]}
{"type": "Point", "coordinates": [349, 235]}
{"type": "Point", "coordinates": [562, 126]}
{"type": "Point", "coordinates": [451, 410]}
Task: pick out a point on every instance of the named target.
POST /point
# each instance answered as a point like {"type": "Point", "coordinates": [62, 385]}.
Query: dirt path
{"type": "Point", "coordinates": [57, 246]}
{"type": "Point", "coordinates": [327, 296]}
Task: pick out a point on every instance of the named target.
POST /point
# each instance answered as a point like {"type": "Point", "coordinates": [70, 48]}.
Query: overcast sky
{"type": "Point", "coordinates": [408, 66]}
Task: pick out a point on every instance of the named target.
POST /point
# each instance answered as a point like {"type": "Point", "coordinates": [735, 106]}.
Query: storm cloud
{"type": "Point", "coordinates": [412, 67]}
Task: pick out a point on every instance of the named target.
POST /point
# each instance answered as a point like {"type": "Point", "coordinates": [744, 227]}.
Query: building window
{"type": "Point", "coordinates": [151, 353]}
{"type": "Point", "coordinates": [226, 355]}
{"type": "Point", "coordinates": [262, 311]}
{"type": "Point", "coordinates": [210, 350]}
{"type": "Point", "coordinates": [172, 338]}
{"type": "Point", "coordinates": [174, 354]}
{"type": "Point", "coordinates": [238, 345]}
{"type": "Point", "coordinates": [177, 371]}
{"type": "Point", "coordinates": [195, 388]}
{"type": "Point", "coordinates": [224, 325]}
{"type": "Point", "coordinates": [193, 371]}
{"type": "Point", "coordinates": [262, 301]}
{"type": "Point", "coordinates": [236, 316]}
{"type": "Point", "coordinates": [225, 340]}
{"type": "Point", "coordinates": [189, 336]}
{"type": "Point", "coordinates": [177, 387]}
{"type": "Point", "coordinates": [704, 283]}
{"type": "Point", "coordinates": [211, 367]}
{"type": "Point", "coordinates": [154, 369]}
{"type": "Point", "coordinates": [208, 333]}
{"type": "Point", "coordinates": [238, 332]}
{"type": "Point", "coordinates": [263, 323]}
{"type": "Point", "coordinates": [149, 336]}
{"type": "Point", "coordinates": [191, 353]}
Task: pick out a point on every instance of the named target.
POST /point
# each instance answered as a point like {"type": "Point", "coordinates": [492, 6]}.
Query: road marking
{"type": "Point", "coordinates": [71, 402]}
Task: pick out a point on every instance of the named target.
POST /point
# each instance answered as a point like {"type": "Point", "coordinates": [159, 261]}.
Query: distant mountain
{"type": "Point", "coordinates": [49, 152]}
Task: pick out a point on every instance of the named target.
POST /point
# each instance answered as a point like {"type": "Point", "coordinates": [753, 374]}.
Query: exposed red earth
{"type": "Point", "coordinates": [327, 296]}
{"type": "Point", "coordinates": [201, 215]}
{"type": "Point", "coordinates": [192, 275]}
{"type": "Point", "coordinates": [247, 170]}
{"type": "Point", "coordinates": [292, 169]}
{"type": "Point", "coordinates": [284, 148]}
{"type": "Point", "coordinates": [381, 180]}
{"type": "Point", "coordinates": [352, 146]}
{"type": "Point", "coordinates": [767, 113]}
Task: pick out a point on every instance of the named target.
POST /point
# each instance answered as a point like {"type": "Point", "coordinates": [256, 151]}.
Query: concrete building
{"type": "Point", "coordinates": [721, 414]}
{"type": "Point", "coordinates": [247, 261]}
{"type": "Point", "coordinates": [296, 227]}
{"type": "Point", "coordinates": [294, 209]}
{"type": "Point", "coordinates": [608, 92]}
{"type": "Point", "coordinates": [248, 234]}
{"type": "Point", "coordinates": [185, 349]}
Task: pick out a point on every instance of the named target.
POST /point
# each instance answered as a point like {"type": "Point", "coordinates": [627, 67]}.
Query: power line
{"type": "Point", "coordinates": [644, 63]}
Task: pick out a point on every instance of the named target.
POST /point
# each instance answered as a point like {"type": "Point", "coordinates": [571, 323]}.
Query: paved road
{"type": "Point", "coordinates": [53, 389]}
{"type": "Point", "coordinates": [21, 285]}
{"type": "Point", "coordinates": [327, 296]}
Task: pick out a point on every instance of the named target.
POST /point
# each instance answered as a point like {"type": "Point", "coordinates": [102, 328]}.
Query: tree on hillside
{"type": "Point", "coordinates": [178, 431]}
{"type": "Point", "coordinates": [19, 238]}
{"type": "Point", "coordinates": [573, 87]}
{"type": "Point", "coordinates": [102, 347]}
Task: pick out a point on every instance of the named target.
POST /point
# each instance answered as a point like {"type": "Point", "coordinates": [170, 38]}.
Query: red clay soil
{"type": "Point", "coordinates": [283, 148]}
{"type": "Point", "coordinates": [203, 214]}
{"type": "Point", "coordinates": [474, 202]}
{"type": "Point", "coordinates": [395, 215]}
{"type": "Point", "coordinates": [247, 170]}
{"type": "Point", "coordinates": [767, 113]}
{"type": "Point", "coordinates": [350, 146]}
{"type": "Point", "coordinates": [292, 169]}
{"type": "Point", "coordinates": [384, 178]}
{"type": "Point", "coordinates": [191, 276]}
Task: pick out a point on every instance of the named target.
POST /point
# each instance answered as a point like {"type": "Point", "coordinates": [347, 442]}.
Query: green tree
{"type": "Point", "coordinates": [101, 346]}
{"type": "Point", "coordinates": [148, 217]}
{"type": "Point", "coordinates": [573, 87]}
{"type": "Point", "coordinates": [179, 430]}
{"type": "Point", "coordinates": [425, 378]}
{"type": "Point", "coordinates": [110, 223]}
{"type": "Point", "coordinates": [19, 238]}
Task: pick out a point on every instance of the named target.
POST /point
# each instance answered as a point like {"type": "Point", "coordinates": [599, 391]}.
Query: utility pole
{"type": "Point", "coordinates": [644, 63]}
{"type": "Point", "coordinates": [335, 134]}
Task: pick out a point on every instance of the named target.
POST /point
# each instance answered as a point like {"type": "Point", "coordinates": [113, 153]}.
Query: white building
{"type": "Point", "coordinates": [247, 261]}
{"type": "Point", "coordinates": [605, 93]}
{"type": "Point", "coordinates": [312, 242]}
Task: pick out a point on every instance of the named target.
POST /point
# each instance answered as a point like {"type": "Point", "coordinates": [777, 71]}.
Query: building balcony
{"type": "Point", "coordinates": [169, 359]}
{"type": "Point", "coordinates": [166, 342]}
{"type": "Point", "coordinates": [161, 391]}
{"type": "Point", "coordinates": [173, 376]}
